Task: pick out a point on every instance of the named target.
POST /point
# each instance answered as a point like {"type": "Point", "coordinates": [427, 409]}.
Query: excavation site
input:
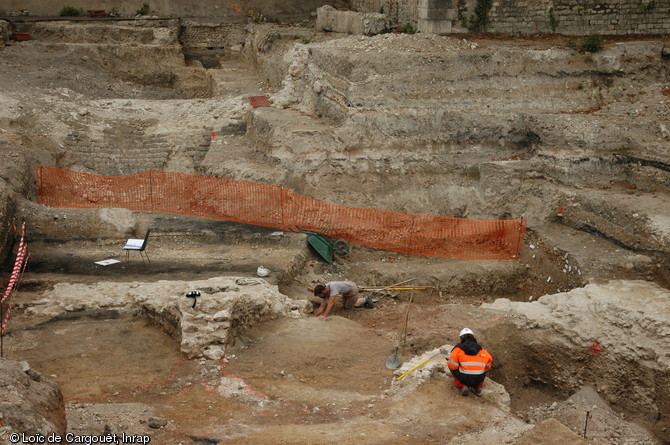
{"type": "Point", "coordinates": [177, 181]}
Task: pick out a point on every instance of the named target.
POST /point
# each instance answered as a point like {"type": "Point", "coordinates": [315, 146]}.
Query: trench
{"type": "Point", "coordinates": [120, 358]}
{"type": "Point", "coordinates": [542, 368]}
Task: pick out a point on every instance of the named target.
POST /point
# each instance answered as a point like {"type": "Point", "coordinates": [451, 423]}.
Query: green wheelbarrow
{"type": "Point", "coordinates": [325, 246]}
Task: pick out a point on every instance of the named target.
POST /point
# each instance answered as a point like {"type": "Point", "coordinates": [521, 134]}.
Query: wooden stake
{"type": "Point", "coordinates": [404, 329]}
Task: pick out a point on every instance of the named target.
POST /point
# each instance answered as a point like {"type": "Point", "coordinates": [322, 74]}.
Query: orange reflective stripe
{"type": "Point", "coordinates": [471, 372]}
{"type": "Point", "coordinates": [452, 364]}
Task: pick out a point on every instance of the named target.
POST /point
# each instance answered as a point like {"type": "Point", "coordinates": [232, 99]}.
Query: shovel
{"type": "Point", "coordinates": [393, 361]}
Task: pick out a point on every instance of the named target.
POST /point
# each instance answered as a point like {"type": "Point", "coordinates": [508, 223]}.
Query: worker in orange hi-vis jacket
{"type": "Point", "coordinates": [469, 363]}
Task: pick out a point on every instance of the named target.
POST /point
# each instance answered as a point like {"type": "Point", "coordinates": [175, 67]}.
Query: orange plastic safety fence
{"type": "Point", "coordinates": [275, 206]}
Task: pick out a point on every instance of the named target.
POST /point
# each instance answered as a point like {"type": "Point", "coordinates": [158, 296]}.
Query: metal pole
{"type": "Point", "coordinates": [586, 422]}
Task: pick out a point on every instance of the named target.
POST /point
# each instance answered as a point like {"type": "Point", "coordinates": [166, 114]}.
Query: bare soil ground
{"type": "Point", "coordinates": [310, 381]}
{"type": "Point", "coordinates": [319, 381]}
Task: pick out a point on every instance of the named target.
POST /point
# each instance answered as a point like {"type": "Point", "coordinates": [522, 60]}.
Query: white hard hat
{"type": "Point", "coordinates": [466, 331]}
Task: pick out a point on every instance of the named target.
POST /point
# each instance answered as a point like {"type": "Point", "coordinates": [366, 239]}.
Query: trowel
{"type": "Point", "coordinates": [193, 294]}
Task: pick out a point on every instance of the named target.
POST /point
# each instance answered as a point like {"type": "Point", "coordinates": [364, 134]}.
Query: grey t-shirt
{"type": "Point", "coordinates": [338, 288]}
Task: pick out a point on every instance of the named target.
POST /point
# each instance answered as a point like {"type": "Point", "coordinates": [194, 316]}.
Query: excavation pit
{"type": "Point", "coordinates": [482, 128]}
{"type": "Point", "coordinates": [116, 368]}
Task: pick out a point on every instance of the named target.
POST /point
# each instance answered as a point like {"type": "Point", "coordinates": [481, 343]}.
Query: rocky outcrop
{"type": "Point", "coordinates": [29, 404]}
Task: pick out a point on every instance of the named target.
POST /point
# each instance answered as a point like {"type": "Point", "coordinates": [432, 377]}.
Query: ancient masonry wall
{"type": "Point", "coordinates": [211, 41]}
{"type": "Point", "coordinates": [572, 17]}
{"type": "Point", "coordinates": [608, 17]}
{"type": "Point", "coordinates": [4, 32]}
{"type": "Point", "coordinates": [209, 34]}
{"type": "Point", "coordinates": [400, 12]}
{"type": "Point", "coordinates": [237, 10]}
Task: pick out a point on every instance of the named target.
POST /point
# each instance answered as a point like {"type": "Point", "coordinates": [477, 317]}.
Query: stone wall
{"type": "Point", "coordinates": [399, 12]}
{"type": "Point", "coordinates": [608, 17]}
{"type": "Point", "coordinates": [196, 33]}
{"type": "Point", "coordinates": [359, 23]}
{"type": "Point", "coordinates": [580, 17]}
{"type": "Point", "coordinates": [211, 41]}
{"type": "Point", "coordinates": [4, 32]}
{"type": "Point", "coordinates": [163, 33]}
{"type": "Point", "coordinates": [572, 17]}
{"type": "Point", "coordinates": [235, 10]}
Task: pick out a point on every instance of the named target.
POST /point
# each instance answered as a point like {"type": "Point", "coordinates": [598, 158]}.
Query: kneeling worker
{"type": "Point", "coordinates": [469, 363]}
{"type": "Point", "coordinates": [331, 290]}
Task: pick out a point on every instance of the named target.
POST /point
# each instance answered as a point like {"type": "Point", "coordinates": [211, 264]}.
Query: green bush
{"type": "Point", "coordinates": [593, 43]}
{"type": "Point", "coordinates": [71, 11]}
{"type": "Point", "coordinates": [571, 42]}
{"type": "Point", "coordinates": [144, 10]}
{"type": "Point", "coordinates": [408, 29]}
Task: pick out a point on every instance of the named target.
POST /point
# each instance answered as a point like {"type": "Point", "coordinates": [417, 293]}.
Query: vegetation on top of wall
{"type": "Point", "coordinates": [144, 10]}
{"type": "Point", "coordinates": [71, 11]}
{"type": "Point", "coordinates": [480, 19]}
